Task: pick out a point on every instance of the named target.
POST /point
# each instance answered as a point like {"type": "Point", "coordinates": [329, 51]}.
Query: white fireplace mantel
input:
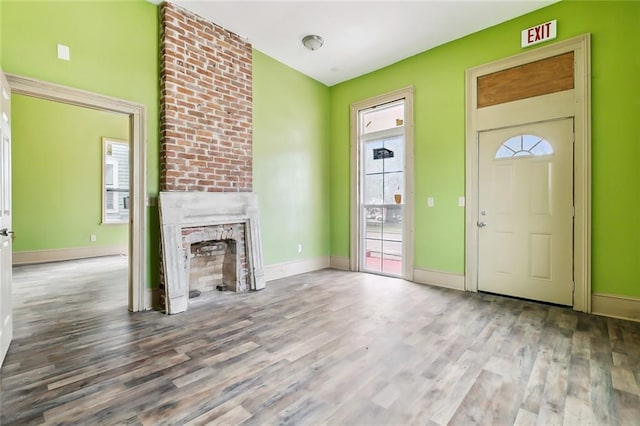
{"type": "Point", "coordinates": [180, 210]}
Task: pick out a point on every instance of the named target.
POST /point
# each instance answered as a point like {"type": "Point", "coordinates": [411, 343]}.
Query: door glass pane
{"type": "Point", "coordinates": [392, 225]}
{"type": "Point", "coordinates": [393, 185]}
{"type": "Point", "coordinates": [373, 222]}
{"type": "Point", "coordinates": [524, 146]}
{"type": "Point", "coordinates": [371, 164]}
{"type": "Point", "coordinates": [392, 257]}
{"type": "Point", "coordinates": [372, 255]}
{"type": "Point", "coordinates": [373, 189]}
{"type": "Point", "coordinates": [378, 119]}
{"type": "Point", "coordinates": [396, 162]}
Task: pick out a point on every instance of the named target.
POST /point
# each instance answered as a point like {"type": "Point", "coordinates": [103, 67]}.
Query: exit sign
{"type": "Point", "coordinates": [539, 33]}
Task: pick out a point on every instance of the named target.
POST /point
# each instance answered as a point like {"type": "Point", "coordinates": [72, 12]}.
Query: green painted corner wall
{"type": "Point", "coordinates": [291, 160]}
{"type": "Point", "coordinates": [438, 76]}
{"type": "Point", "coordinates": [114, 51]}
{"type": "Point", "coordinates": [291, 120]}
{"type": "Point", "coordinates": [57, 175]}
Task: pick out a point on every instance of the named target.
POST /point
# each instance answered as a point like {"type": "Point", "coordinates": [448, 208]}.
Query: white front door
{"type": "Point", "coordinates": [6, 310]}
{"type": "Point", "coordinates": [525, 211]}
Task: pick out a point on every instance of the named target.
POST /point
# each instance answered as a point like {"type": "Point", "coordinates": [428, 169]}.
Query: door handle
{"type": "Point", "coordinates": [5, 232]}
{"type": "Point", "coordinates": [482, 224]}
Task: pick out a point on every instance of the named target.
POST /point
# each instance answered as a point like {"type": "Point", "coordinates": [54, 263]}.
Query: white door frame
{"type": "Point", "coordinates": [574, 103]}
{"type": "Point", "coordinates": [407, 220]}
{"type": "Point", "coordinates": [139, 297]}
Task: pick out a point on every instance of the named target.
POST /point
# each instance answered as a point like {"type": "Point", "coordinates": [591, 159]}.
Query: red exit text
{"type": "Point", "coordinates": [539, 33]}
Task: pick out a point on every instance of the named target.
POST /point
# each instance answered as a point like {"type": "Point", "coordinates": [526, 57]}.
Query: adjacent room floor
{"type": "Point", "coordinates": [327, 347]}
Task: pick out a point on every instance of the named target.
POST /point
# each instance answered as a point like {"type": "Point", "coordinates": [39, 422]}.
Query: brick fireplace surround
{"type": "Point", "coordinates": [206, 110]}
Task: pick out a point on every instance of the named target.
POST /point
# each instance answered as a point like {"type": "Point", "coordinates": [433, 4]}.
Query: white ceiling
{"type": "Point", "coordinates": [359, 36]}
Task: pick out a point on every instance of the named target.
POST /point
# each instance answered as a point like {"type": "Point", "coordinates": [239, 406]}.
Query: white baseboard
{"type": "Point", "coordinates": [295, 267]}
{"type": "Point", "coordinates": [340, 262]}
{"type": "Point", "coordinates": [55, 255]}
{"type": "Point", "coordinates": [614, 306]}
{"type": "Point", "coordinates": [439, 278]}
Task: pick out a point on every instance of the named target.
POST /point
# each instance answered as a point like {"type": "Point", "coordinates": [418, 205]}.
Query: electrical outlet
{"type": "Point", "coordinates": [430, 202]}
{"type": "Point", "coordinates": [300, 248]}
{"type": "Point", "coordinates": [93, 238]}
{"type": "Point", "coordinates": [460, 201]}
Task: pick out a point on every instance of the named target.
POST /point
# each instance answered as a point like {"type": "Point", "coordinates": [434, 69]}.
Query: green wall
{"type": "Point", "coordinates": [301, 128]}
{"type": "Point", "coordinates": [114, 51]}
{"type": "Point", "coordinates": [438, 76]}
{"type": "Point", "coordinates": [291, 160]}
{"type": "Point", "coordinates": [57, 175]}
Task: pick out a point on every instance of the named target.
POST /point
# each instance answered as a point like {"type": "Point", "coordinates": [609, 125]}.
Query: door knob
{"type": "Point", "coordinates": [5, 232]}
{"type": "Point", "coordinates": [482, 224]}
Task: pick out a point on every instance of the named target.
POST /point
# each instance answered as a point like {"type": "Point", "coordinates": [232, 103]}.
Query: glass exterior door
{"type": "Point", "coordinates": [382, 160]}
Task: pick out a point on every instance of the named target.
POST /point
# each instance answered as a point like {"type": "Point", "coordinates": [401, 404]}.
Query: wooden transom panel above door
{"type": "Point", "coordinates": [543, 77]}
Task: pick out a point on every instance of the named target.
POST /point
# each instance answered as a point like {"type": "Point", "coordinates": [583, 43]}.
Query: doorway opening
{"type": "Point", "coordinates": [139, 297]}
{"type": "Point", "coordinates": [383, 174]}
{"type": "Point", "coordinates": [76, 163]}
{"type": "Point", "coordinates": [535, 125]}
{"type": "Point", "coordinates": [382, 158]}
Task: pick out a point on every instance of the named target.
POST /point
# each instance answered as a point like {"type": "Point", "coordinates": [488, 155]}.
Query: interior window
{"type": "Point", "coordinates": [115, 181]}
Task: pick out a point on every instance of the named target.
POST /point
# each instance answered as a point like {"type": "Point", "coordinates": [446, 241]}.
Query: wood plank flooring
{"type": "Point", "coordinates": [324, 348]}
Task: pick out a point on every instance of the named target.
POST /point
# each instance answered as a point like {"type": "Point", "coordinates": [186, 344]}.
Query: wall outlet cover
{"type": "Point", "coordinates": [64, 52]}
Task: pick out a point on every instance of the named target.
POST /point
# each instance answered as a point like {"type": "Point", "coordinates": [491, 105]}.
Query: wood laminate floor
{"type": "Point", "coordinates": [327, 347]}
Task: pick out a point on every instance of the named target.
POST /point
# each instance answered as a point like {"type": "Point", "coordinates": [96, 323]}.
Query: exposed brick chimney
{"type": "Point", "coordinates": [206, 105]}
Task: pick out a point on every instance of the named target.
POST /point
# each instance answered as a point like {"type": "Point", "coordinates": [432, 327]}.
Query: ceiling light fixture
{"type": "Point", "coordinates": [312, 42]}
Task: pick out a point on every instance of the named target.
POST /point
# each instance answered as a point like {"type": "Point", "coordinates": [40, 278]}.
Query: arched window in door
{"type": "Point", "coordinates": [524, 146]}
